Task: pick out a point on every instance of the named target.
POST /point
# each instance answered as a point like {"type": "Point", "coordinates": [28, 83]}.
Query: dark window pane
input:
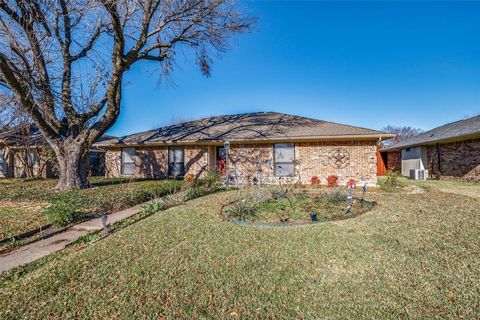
{"type": "Point", "coordinates": [176, 159]}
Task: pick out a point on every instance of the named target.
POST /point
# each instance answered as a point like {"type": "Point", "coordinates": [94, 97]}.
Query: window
{"type": "Point", "coordinates": [408, 149]}
{"type": "Point", "coordinates": [128, 161]}
{"type": "Point", "coordinates": [32, 159]}
{"type": "Point", "coordinates": [176, 162]}
{"type": "Point", "coordinates": [284, 156]}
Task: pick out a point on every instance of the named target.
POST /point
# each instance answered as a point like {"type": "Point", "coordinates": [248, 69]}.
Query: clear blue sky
{"type": "Point", "coordinates": [362, 63]}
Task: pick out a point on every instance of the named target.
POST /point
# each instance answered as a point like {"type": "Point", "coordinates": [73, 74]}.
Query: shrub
{"type": "Point", "coordinates": [244, 209]}
{"type": "Point", "coordinates": [351, 183]}
{"type": "Point", "coordinates": [172, 200]}
{"type": "Point", "coordinates": [336, 196]}
{"type": "Point", "coordinates": [332, 181]}
{"type": "Point", "coordinates": [278, 192]}
{"type": "Point", "coordinates": [189, 178]}
{"type": "Point", "coordinates": [314, 180]}
{"type": "Point", "coordinates": [153, 206]}
{"type": "Point", "coordinates": [211, 180]}
{"type": "Point", "coordinates": [65, 208]}
{"type": "Point", "coordinates": [391, 181]}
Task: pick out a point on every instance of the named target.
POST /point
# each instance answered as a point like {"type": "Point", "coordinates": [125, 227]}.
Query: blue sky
{"type": "Point", "coordinates": [362, 63]}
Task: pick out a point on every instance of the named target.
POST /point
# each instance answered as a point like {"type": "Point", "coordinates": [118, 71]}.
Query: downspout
{"type": "Point", "coordinates": [439, 160]}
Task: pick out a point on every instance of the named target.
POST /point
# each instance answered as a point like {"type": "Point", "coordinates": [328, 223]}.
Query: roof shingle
{"type": "Point", "coordinates": [259, 126]}
{"type": "Point", "coordinates": [456, 130]}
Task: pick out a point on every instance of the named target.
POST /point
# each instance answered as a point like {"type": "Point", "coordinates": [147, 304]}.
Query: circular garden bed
{"type": "Point", "coordinates": [290, 207]}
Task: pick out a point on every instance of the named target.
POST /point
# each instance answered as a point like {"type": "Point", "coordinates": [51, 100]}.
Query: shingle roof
{"type": "Point", "coordinates": [468, 128]}
{"type": "Point", "coordinates": [15, 136]}
{"type": "Point", "coordinates": [258, 126]}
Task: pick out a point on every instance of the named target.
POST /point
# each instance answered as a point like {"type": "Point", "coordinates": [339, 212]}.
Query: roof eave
{"type": "Point", "coordinates": [376, 137]}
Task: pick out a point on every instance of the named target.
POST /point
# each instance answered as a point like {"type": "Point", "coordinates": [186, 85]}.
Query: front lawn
{"type": "Point", "coordinates": [415, 255]}
{"type": "Point", "coordinates": [24, 203]}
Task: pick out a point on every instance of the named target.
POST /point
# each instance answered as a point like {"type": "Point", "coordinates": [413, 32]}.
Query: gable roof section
{"type": "Point", "coordinates": [459, 130]}
{"type": "Point", "coordinates": [260, 126]}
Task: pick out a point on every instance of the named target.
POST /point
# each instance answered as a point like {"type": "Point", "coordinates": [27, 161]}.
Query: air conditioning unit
{"type": "Point", "coordinates": [418, 174]}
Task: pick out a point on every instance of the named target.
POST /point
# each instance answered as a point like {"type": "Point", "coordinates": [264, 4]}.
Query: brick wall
{"type": "Point", "coordinates": [152, 162]}
{"type": "Point", "coordinates": [458, 160]}
{"type": "Point", "coordinates": [254, 162]}
{"type": "Point", "coordinates": [322, 159]}
{"type": "Point", "coordinates": [196, 160]}
{"type": "Point", "coordinates": [394, 161]}
{"type": "Point", "coordinates": [113, 163]}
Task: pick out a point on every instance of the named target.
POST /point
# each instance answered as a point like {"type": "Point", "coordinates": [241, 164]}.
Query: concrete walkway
{"type": "Point", "coordinates": [42, 248]}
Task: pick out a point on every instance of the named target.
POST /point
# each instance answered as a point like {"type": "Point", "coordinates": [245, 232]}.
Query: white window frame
{"type": "Point", "coordinates": [123, 162]}
{"type": "Point", "coordinates": [277, 162]}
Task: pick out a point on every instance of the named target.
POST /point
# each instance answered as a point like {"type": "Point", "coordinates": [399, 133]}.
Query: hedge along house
{"type": "Point", "coordinates": [451, 151]}
{"type": "Point", "coordinates": [24, 153]}
{"type": "Point", "coordinates": [266, 147]}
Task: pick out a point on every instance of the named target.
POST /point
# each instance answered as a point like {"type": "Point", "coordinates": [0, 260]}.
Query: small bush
{"type": "Point", "coordinates": [336, 196]}
{"type": "Point", "coordinates": [278, 192]}
{"type": "Point", "coordinates": [391, 181]}
{"type": "Point", "coordinates": [154, 206]}
{"type": "Point", "coordinates": [172, 200]}
{"type": "Point", "coordinates": [211, 180]}
{"type": "Point", "coordinates": [65, 208]}
{"type": "Point", "coordinates": [244, 209]}
{"type": "Point", "coordinates": [314, 180]}
{"type": "Point", "coordinates": [332, 181]}
{"type": "Point", "coordinates": [189, 178]}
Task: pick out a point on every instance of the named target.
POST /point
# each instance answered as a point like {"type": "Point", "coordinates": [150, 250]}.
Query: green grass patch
{"type": "Point", "coordinates": [412, 256]}
{"type": "Point", "coordinates": [29, 204]}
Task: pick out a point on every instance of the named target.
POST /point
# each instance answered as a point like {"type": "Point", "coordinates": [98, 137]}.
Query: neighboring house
{"type": "Point", "coordinates": [265, 147]}
{"type": "Point", "coordinates": [449, 151]}
{"type": "Point", "coordinates": [25, 154]}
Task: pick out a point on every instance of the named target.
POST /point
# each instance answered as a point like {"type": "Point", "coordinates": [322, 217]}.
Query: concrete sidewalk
{"type": "Point", "coordinates": [42, 248]}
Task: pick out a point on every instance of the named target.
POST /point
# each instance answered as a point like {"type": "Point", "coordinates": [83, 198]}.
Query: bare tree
{"type": "Point", "coordinates": [401, 133]}
{"type": "Point", "coordinates": [64, 61]}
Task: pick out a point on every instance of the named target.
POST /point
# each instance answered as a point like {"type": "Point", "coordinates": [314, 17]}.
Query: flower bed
{"type": "Point", "coordinates": [276, 206]}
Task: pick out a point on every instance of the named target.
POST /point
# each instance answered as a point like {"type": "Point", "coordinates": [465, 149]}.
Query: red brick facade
{"type": "Point", "coordinates": [458, 160]}
{"type": "Point", "coordinates": [394, 161]}
{"type": "Point", "coordinates": [255, 162]}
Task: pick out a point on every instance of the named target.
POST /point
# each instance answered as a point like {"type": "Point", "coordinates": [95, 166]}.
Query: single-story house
{"type": "Point", "coordinates": [265, 147]}
{"type": "Point", "coordinates": [24, 153]}
{"type": "Point", "coordinates": [451, 151]}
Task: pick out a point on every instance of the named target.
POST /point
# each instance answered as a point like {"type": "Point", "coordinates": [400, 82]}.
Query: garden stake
{"type": "Point", "coordinates": [106, 230]}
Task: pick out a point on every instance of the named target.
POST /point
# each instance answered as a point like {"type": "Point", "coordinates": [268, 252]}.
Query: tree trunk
{"type": "Point", "coordinates": [72, 157]}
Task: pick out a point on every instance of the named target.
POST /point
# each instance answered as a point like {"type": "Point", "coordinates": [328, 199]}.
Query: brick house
{"type": "Point", "coordinates": [24, 153]}
{"type": "Point", "coordinates": [451, 151]}
{"type": "Point", "coordinates": [265, 147]}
